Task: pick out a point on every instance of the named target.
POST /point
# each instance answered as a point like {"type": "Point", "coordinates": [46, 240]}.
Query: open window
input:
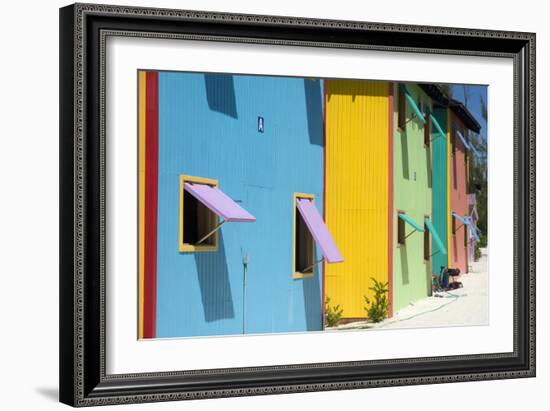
{"type": "Point", "coordinates": [309, 228]}
{"type": "Point", "coordinates": [404, 98]}
{"type": "Point", "coordinates": [453, 141]}
{"type": "Point", "coordinates": [400, 230]}
{"type": "Point", "coordinates": [401, 109]}
{"type": "Point", "coordinates": [196, 220]}
{"type": "Point", "coordinates": [403, 219]}
{"type": "Point", "coordinates": [304, 246]}
{"type": "Point", "coordinates": [204, 208]}
{"type": "Point", "coordinates": [453, 225]}
{"type": "Point", "coordinates": [427, 248]}
{"type": "Point", "coordinates": [427, 129]}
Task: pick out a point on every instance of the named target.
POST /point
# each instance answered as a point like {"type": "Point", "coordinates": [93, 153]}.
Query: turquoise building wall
{"type": "Point", "coordinates": [440, 211]}
{"type": "Point", "coordinates": [208, 127]}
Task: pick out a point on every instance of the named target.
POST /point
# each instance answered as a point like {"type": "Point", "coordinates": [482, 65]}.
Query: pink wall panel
{"type": "Point", "coordinates": [459, 200]}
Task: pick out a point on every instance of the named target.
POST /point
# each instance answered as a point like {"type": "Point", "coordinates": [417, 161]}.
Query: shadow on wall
{"type": "Point", "coordinates": [429, 166]}
{"type": "Point", "coordinates": [455, 180]}
{"type": "Point", "coordinates": [220, 94]}
{"type": "Point", "coordinates": [213, 275]}
{"type": "Point", "coordinates": [312, 301]}
{"type": "Point", "coordinates": [314, 108]}
{"type": "Point", "coordinates": [404, 265]}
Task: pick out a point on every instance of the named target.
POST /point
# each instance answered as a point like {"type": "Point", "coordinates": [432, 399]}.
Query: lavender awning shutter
{"type": "Point", "coordinates": [472, 228]}
{"type": "Point", "coordinates": [319, 230]}
{"type": "Point", "coordinates": [219, 202]}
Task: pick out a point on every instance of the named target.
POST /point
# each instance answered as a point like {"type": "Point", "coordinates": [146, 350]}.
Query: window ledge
{"type": "Point", "coordinates": [188, 248]}
{"type": "Point", "coordinates": [298, 275]}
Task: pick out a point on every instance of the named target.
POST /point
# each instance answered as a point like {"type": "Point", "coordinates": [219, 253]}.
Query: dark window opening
{"type": "Point", "coordinates": [453, 140]}
{"type": "Point", "coordinates": [401, 109]}
{"type": "Point", "coordinates": [427, 130]}
{"type": "Point", "coordinates": [198, 222]}
{"type": "Point", "coordinates": [465, 236]}
{"type": "Point", "coordinates": [453, 224]}
{"type": "Point", "coordinates": [400, 231]}
{"type": "Point", "coordinates": [303, 240]}
{"type": "Point", "coordinates": [426, 243]}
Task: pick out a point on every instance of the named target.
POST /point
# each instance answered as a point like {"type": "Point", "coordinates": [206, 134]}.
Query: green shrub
{"type": "Point", "coordinates": [377, 310]}
{"type": "Point", "coordinates": [477, 251]}
{"type": "Point", "coordinates": [482, 240]}
{"type": "Point", "coordinates": [332, 314]}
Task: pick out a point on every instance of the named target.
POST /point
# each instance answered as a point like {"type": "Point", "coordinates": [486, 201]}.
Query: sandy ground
{"type": "Point", "coordinates": [465, 306]}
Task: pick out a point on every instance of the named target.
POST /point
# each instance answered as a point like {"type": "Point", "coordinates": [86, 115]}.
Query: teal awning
{"type": "Point", "coordinates": [463, 139]}
{"type": "Point", "coordinates": [461, 219]}
{"type": "Point", "coordinates": [412, 103]}
{"type": "Point", "coordinates": [411, 222]}
{"type": "Point", "coordinates": [469, 146]}
{"type": "Point", "coordinates": [435, 236]}
{"type": "Point", "coordinates": [437, 126]}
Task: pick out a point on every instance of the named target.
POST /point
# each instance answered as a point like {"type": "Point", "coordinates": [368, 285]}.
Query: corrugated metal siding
{"type": "Point", "coordinates": [459, 201]}
{"type": "Point", "coordinates": [439, 189]}
{"type": "Point", "coordinates": [356, 189]}
{"type": "Point", "coordinates": [208, 128]}
{"type": "Point", "coordinates": [413, 195]}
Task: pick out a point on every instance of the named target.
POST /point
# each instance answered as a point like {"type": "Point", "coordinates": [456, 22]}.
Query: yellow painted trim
{"type": "Point", "coordinates": [141, 210]}
{"type": "Point", "coordinates": [188, 248]}
{"type": "Point", "coordinates": [296, 274]}
{"type": "Point", "coordinates": [200, 180]}
{"type": "Point", "coordinates": [299, 276]}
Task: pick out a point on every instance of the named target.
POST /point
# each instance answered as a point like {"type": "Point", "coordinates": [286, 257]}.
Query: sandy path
{"type": "Point", "coordinates": [465, 306]}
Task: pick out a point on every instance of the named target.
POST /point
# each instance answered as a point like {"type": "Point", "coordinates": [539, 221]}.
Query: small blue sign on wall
{"type": "Point", "coordinates": [260, 124]}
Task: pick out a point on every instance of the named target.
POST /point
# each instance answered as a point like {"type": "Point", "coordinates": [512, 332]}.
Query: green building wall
{"type": "Point", "coordinates": [440, 206]}
{"type": "Point", "coordinates": [412, 195]}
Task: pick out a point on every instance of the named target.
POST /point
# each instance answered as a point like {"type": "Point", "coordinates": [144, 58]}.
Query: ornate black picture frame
{"type": "Point", "coordinates": [83, 30]}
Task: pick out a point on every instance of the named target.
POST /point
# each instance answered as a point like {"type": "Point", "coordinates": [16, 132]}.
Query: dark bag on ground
{"type": "Point", "coordinates": [449, 272]}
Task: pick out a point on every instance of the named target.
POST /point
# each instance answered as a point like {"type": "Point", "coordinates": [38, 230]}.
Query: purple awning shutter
{"type": "Point", "coordinates": [319, 230]}
{"type": "Point", "coordinates": [217, 201]}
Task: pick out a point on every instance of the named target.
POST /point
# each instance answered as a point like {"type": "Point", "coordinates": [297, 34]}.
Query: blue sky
{"type": "Point", "coordinates": [474, 96]}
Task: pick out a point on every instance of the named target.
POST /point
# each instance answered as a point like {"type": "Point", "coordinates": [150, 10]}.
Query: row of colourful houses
{"type": "Point", "coordinates": [262, 196]}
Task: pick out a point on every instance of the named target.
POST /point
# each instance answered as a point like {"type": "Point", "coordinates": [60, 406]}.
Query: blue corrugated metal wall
{"type": "Point", "coordinates": [208, 127]}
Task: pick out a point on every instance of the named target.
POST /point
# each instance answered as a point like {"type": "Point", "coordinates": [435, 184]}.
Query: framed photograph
{"type": "Point", "coordinates": [261, 204]}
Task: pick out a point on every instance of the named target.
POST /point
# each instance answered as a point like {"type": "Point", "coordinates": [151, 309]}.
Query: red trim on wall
{"type": "Point", "coordinates": [151, 204]}
{"type": "Point", "coordinates": [324, 194]}
{"type": "Point", "coordinates": [390, 201]}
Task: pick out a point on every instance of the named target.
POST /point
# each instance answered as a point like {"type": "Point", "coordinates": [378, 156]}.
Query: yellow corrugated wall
{"type": "Point", "coordinates": [356, 213]}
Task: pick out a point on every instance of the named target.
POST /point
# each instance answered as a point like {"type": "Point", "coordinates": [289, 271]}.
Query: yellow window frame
{"type": "Point", "coordinates": [190, 248]}
{"type": "Point", "coordinates": [297, 274]}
